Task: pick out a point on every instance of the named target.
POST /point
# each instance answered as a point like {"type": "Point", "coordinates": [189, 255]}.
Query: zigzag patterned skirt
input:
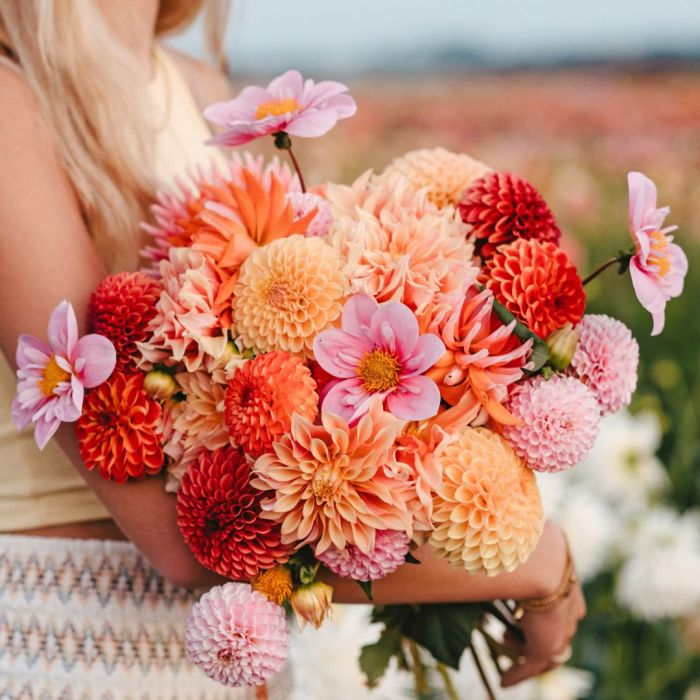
{"type": "Point", "coordinates": [92, 620]}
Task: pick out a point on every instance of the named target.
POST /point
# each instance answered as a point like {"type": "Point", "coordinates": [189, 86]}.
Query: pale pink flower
{"type": "Point", "coordinates": [289, 103]}
{"type": "Point", "coordinates": [51, 379]}
{"type": "Point", "coordinates": [606, 360]}
{"type": "Point", "coordinates": [389, 553]}
{"type": "Point", "coordinates": [379, 352]}
{"type": "Point", "coordinates": [559, 420]}
{"type": "Point", "coordinates": [658, 266]}
{"type": "Point", "coordinates": [237, 636]}
{"type": "Point", "coordinates": [303, 203]}
{"type": "Point", "coordinates": [185, 328]}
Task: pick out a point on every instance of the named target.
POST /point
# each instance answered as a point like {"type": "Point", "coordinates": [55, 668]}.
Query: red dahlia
{"type": "Point", "coordinates": [119, 430]}
{"type": "Point", "coordinates": [536, 282]}
{"type": "Point", "coordinates": [120, 309]}
{"type": "Point", "coordinates": [502, 207]}
{"type": "Point", "coordinates": [219, 515]}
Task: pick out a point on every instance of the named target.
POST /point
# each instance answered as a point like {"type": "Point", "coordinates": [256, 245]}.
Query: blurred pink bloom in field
{"type": "Point", "coordinates": [658, 266]}
{"type": "Point", "coordinates": [52, 378]}
{"type": "Point", "coordinates": [379, 352]}
{"type": "Point", "coordinates": [289, 103]}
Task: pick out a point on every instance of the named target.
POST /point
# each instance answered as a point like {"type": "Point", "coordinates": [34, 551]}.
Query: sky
{"type": "Point", "coordinates": [268, 36]}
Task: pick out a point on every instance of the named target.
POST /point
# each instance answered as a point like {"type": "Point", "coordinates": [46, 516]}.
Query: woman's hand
{"type": "Point", "coordinates": [548, 637]}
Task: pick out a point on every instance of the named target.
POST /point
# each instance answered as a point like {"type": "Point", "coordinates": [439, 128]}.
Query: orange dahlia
{"type": "Point", "coordinates": [487, 515]}
{"type": "Point", "coordinates": [329, 483]}
{"type": "Point", "coordinates": [218, 512]}
{"type": "Point", "coordinates": [262, 396]}
{"type": "Point", "coordinates": [287, 293]}
{"type": "Point", "coordinates": [120, 309]}
{"type": "Point", "coordinates": [242, 218]}
{"type": "Point", "coordinates": [119, 430]}
{"type": "Point", "coordinates": [536, 282]}
{"type": "Point", "coordinates": [502, 207]}
{"type": "Point", "coordinates": [484, 357]}
{"type": "Point", "coordinates": [444, 175]}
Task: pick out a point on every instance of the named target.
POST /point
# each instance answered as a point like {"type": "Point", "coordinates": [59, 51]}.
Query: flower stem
{"type": "Point", "coordinates": [482, 674]}
{"type": "Point", "coordinates": [622, 259]}
{"type": "Point", "coordinates": [421, 682]}
{"type": "Point", "coordinates": [297, 168]}
{"type": "Point", "coordinates": [449, 685]}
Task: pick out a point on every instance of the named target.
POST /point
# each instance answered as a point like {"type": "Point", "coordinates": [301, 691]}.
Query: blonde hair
{"type": "Point", "coordinates": [84, 81]}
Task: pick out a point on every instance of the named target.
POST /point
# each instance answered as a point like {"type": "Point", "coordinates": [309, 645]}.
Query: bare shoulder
{"type": "Point", "coordinates": [207, 83]}
{"type": "Point", "coordinates": [21, 112]}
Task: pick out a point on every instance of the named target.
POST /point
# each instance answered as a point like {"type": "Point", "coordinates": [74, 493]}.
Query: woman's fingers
{"type": "Point", "coordinates": [519, 672]}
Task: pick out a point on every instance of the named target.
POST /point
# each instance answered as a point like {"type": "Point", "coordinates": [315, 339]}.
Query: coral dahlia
{"type": "Point", "coordinates": [558, 422]}
{"type": "Point", "coordinates": [502, 207]}
{"type": "Point", "coordinates": [237, 636]}
{"type": "Point", "coordinates": [287, 292]}
{"type": "Point", "coordinates": [121, 308]}
{"type": "Point", "coordinates": [606, 360]}
{"type": "Point", "coordinates": [536, 282]}
{"type": "Point", "coordinates": [262, 396]}
{"type": "Point", "coordinates": [329, 482]}
{"type": "Point", "coordinates": [389, 553]}
{"type": "Point", "coordinates": [444, 175]}
{"type": "Point", "coordinates": [484, 357]}
{"type": "Point", "coordinates": [119, 431]}
{"type": "Point", "coordinates": [218, 512]}
{"type": "Point", "coordinates": [488, 513]}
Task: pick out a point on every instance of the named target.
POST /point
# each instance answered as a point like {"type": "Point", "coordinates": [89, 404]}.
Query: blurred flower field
{"type": "Point", "coordinates": [631, 508]}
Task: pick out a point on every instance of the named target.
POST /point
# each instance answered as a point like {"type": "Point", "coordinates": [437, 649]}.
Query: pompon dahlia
{"type": "Point", "coordinates": [120, 308]}
{"type": "Point", "coordinates": [389, 553]}
{"type": "Point", "coordinates": [444, 175]}
{"type": "Point", "coordinates": [502, 207]}
{"type": "Point", "coordinates": [287, 292]}
{"type": "Point", "coordinates": [536, 282]}
{"type": "Point", "coordinates": [237, 636]}
{"type": "Point", "coordinates": [559, 422]}
{"type": "Point", "coordinates": [119, 430]}
{"type": "Point", "coordinates": [262, 396]}
{"type": "Point", "coordinates": [218, 512]}
{"type": "Point", "coordinates": [484, 357]}
{"type": "Point", "coordinates": [606, 360]}
{"type": "Point", "coordinates": [185, 327]}
{"type": "Point", "coordinates": [488, 514]}
{"type": "Point", "coordinates": [303, 203]}
{"type": "Point", "coordinates": [329, 482]}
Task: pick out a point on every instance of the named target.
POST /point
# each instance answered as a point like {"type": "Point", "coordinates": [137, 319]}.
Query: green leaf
{"type": "Point", "coordinates": [374, 658]}
{"type": "Point", "coordinates": [366, 586]}
{"type": "Point", "coordinates": [445, 630]}
{"type": "Point", "coordinates": [410, 559]}
{"type": "Point", "coordinates": [540, 351]}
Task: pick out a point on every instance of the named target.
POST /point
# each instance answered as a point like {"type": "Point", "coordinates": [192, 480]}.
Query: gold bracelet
{"type": "Point", "coordinates": [567, 582]}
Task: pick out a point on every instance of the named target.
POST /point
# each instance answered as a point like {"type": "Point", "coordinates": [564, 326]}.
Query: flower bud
{"type": "Point", "coordinates": [159, 384]}
{"type": "Point", "coordinates": [562, 345]}
{"type": "Point", "coordinates": [275, 584]}
{"type": "Point", "coordinates": [312, 603]}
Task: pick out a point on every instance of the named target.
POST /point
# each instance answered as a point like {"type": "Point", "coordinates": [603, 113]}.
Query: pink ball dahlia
{"type": "Point", "coordinates": [560, 418]}
{"type": "Point", "coordinates": [237, 636]}
{"type": "Point", "coordinates": [606, 361]}
{"type": "Point", "coordinates": [389, 553]}
{"type": "Point", "coordinates": [305, 202]}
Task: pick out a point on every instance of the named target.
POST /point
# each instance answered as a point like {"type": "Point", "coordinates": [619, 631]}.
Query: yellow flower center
{"type": "Point", "coordinates": [659, 256]}
{"type": "Point", "coordinates": [275, 584]}
{"type": "Point", "coordinates": [323, 485]}
{"type": "Point", "coordinates": [276, 108]}
{"type": "Point", "coordinates": [379, 370]}
{"type": "Point", "coordinates": [53, 376]}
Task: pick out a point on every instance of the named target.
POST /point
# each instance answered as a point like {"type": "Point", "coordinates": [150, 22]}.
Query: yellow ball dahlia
{"type": "Point", "coordinates": [487, 515]}
{"type": "Point", "coordinates": [445, 174]}
{"type": "Point", "coordinates": [287, 292]}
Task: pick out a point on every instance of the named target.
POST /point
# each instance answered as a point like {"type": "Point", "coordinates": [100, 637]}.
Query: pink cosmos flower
{"type": "Point", "coordinates": [379, 352]}
{"type": "Point", "coordinates": [51, 379]}
{"type": "Point", "coordinates": [289, 103]}
{"type": "Point", "coordinates": [658, 266]}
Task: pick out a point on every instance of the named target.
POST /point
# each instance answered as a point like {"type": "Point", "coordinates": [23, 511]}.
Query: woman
{"type": "Point", "coordinates": [94, 576]}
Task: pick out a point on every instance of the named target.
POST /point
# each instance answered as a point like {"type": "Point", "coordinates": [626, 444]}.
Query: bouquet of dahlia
{"type": "Point", "coordinates": [327, 377]}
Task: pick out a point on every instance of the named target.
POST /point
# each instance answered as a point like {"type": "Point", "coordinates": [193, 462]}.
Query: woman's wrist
{"type": "Point", "coordinates": [549, 562]}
